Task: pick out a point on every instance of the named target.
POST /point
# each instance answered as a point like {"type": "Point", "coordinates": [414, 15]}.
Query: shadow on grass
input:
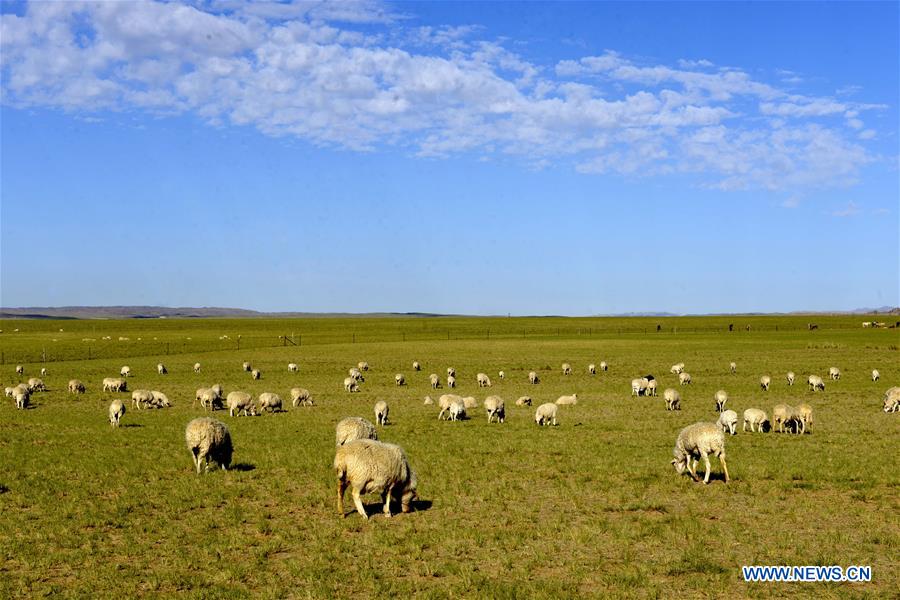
{"type": "Point", "coordinates": [3, 489]}
{"type": "Point", "coordinates": [130, 425]}
{"type": "Point", "coordinates": [243, 467]}
{"type": "Point", "coordinates": [374, 509]}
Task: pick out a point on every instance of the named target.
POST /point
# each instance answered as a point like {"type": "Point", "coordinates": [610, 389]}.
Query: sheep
{"type": "Point", "coordinates": [381, 412]}
{"type": "Point", "coordinates": [114, 384]}
{"type": "Point", "coordinates": [483, 380]}
{"type": "Point", "coordinates": [891, 401]}
{"type": "Point", "coordinates": [470, 402]}
{"type": "Point", "coordinates": [293, 368]}
{"type": "Point", "coordinates": [435, 381]}
{"type": "Point", "coordinates": [116, 411]}
{"type": "Point", "coordinates": [501, 375]}
{"type": "Point", "coordinates": [44, 372]}
{"type": "Point", "coordinates": [638, 386]}
{"type": "Point", "coordinates": [451, 372]}
{"type": "Point", "coordinates": [567, 400]}
{"type": "Point", "coordinates": [592, 369]}
{"type": "Point", "coordinates": [728, 421]}
{"type": "Point", "coordinates": [21, 396]}
{"type": "Point", "coordinates": [240, 402]}
{"type": "Point", "coordinates": [141, 398]}
{"type": "Point", "coordinates": [159, 400]}
{"type": "Point", "coordinates": [196, 367]}
{"type": "Point", "coordinates": [367, 466]}
{"type": "Point", "coordinates": [255, 374]}
{"type": "Point", "coordinates": [209, 399]}
{"type": "Point", "coordinates": [428, 401]}
{"type": "Point", "coordinates": [764, 383]}
{"type": "Point", "coordinates": [604, 366]}
{"type": "Point", "coordinates": [362, 365]}
{"type": "Point", "coordinates": [790, 377]}
{"type": "Point", "coordinates": [457, 411]}
{"type": "Point", "coordinates": [672, 398]}
{"type": "Point", "coordinates": [20, 370]}
{"type": "Point", "coordinates": [9, 392]}
{"type": "Point", "coordinates": [755, 418]}
{"type": "Point", "coordinates": [268, 400]}
{"type": "Point", "coordinates": [533, 378]}
{"type": "Point", "coordinates": [350, 385]}
{"type": "Point", "coordinates": [733, 367]}
{"type": "Point", "coordinates": [866, 324]}
{"type": "Point", "coordinates": [721, 397]}
{"type": "Point", "coordinates": [125, 371]}
{"type": "Point", "coordinates": [246, 367]}
{"type": "Point", "coordinates": [566, 369]}
{"type": "Point", "coordinates": [356, 374]}
{"type": "Point", "coordinates": [161, 369]}
{"type": "Point", "coordinates": [651, 388]}
{"type": "Point", "coordinates": [451, 381]}
{"type": "Point", "coordinates": [815, 383]}
{"type": "Point", "coordinates": [301, 397]}
{"type": "Point", "coordinates": [399, 379]}
{"type": "Point", "coordinates": [444, 403]}
{"type": "Point", "coordinates": [208, 439]}
{"type": "Point", "coordinates": [354, 428]}
{"type": "Point", "coordinates": [875, 375]}
{"type": "Point", "coordinates": [546, 414]}
{"type": "Point", "coordinates": [416, 366]}
{"type": "Point", "coordinates": [803, 414]}
{"type": "Point", "coordinates": [699, 441]}
{"type": "Point", "coordinates": [677, 369]}
{"type": "Point", "coordinates": [782, 416]}
{"type": "Point", "coordinates": [36, 384]}
{"type": "Point", "coordinates": [495, 407]}
{"type": "Point", "coordinates": [684, 378]}
{"type": "Point", "coordinates": [523, 401]}
{"type": "Point", "coordinates": [834, 373]}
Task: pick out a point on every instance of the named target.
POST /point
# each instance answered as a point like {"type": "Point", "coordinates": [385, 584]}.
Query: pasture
{"type": "Point", "coordinates": [590, 508]}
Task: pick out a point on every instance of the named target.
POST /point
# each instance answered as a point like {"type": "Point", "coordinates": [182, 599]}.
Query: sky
{"type": "Point", "coordinates": [478, 158]}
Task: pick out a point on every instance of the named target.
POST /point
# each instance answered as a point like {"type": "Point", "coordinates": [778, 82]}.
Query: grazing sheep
{"type": "Point", "coordinates": [451, 372]}
{"type": "Point", "coordinates": [451, 381]}
{"type": "Point", "coordinates": [354, 428]}
{"type": "Point", "coordinates": [161, 369]}
{"type": "Point", "coordinates": [677, 369]}
{"type": "Point", "coordinates": [684, 378]}
{"type": "Point", "coordinates": [115, 384]}
{"type": "Point", "coordinates": [866, 324]}
{"type": "Point", "coordinates": [638, 386]}
{"type": "Point", "coordinates": [141, 399]}
{"type": "Point", "coordinates": [699, 441]}
{"type": "Point", "coordinates": [21, 396]}
{"type": "Point", "coordinates": [255, 374]}
{"type": "Point", "coordinates": [210, 399]}
{"type": "Point", "coordinates": [246, 366]}
{"type": "Point", "coordinates": [728, 421]}
{"type": "Point", "coordinates": [20, 370]}
{"type": "Point", "coordinates": [428, 401]}
{"type": "Point", "coordinates": [36, 384]}
{"type": "Point", "coordinates": [43, 372]}
{"type": "Point", "coordinates": [293, 367]}
{"type": "Point", "coordinates": [76, 387]}
{"type": "Point", "coordinates": [116, 411]}
{"type": "Point", "coordinates": [416, 366]}
{"type": "Point", "coordinates": [159, 400]}
{"type": "Point", "coordinates": [208, 439]}
{"type": "Point", "coordinates": [755, 418]}
{"type": "Point", "coordinates": [875, 375]}
{"type": "Point", "coordinates": [604, 366]}
{"type": "Point", "coordinates": [196, 367]}
{"type": "Point", "coordinates": [546, 414]}
{"type": "Point", "coordinates": [501, 375]}
{"type": "Point", "coordinates": [435, 381]}
{"type": "Point", "coordinates": [651, 388]}
{"type": "Point", "coordinates": [483, 380]}
{"type": "Point", "coordinates": [524, 401]}
{"type": "Point", "coordinates": [721, 398]}
{"type": "Point", "coordinates": [362, 365]}
{"type": "Point", "coordinates": [782, 416]}
{"type": "Point", "coordinates": [834, 373]}
{"type": "Point", "coordinates": [592, 369]}
{"type": "Point", "coordinates": [381, 412]}
{"type": "Point", "coordinates": [567, 400]}
{"type": "Point", "coordinates": [533, 378]}
{"type": "Point", "coordinates": [790, 377]}
{"type": "Point", "coordinates": [566, 369]}
{"type": "Point", "coordinates": [240, 402]}
{"type": "Point", "coordinates": [733, 367]}
{"type": "Point", "coordinates": [495, 407]}
{"type": "Point", "coordinates": [803, 413]}
{"type": "Point", "coordinates": [125, 371]}
{"type": "Point", "coordinates": [270, 401]}
{"type": "Point", "coordinates": [9, 392]}
{"type": "Point", "coordinates": [764, 383]}
{"type": "Point", "coordinates": [457, 411]}
{"type": "Point", "coordinates": [301, 397]}
{"type": "Point", "coordinates": [891, 400]}
{"type": "Point", "coordinates": [672, 398]}
{"type": "Point", "coordinates": [198, 395]}
{"type": "Point", "coordinates": [350, 384]}
{"type": "Point", "coordinates": [815, 383]}
{"type": "Point", "coordinates": [470, 402]}
{"type": "Point", "coordinates": [356, 374]}
{"type": "Point", "coordinates": [444, 403]}
{"type": "Point", "coordinates": [370, 466]}
{"type": "Point", "coordinates": [399, 379]}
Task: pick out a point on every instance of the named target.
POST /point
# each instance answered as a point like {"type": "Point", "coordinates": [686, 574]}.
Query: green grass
{"type": "Point", "coordinates": [589, 508]}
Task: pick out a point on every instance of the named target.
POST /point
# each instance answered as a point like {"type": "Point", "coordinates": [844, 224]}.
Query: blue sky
{"type": "Point", "coordinates": [489, 158]}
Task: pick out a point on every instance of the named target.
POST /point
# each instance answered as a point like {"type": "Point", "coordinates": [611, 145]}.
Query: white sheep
{"type": "Point", "coordinates": [566, 369]}
{"type": "Point", "coordinates": [435, 381]}
{"type": "Point", "coordinates": [592, 369]}
{"type": "Point", "coordinates": [677, 369]}
{"type": "Point", "coordinates": [116, 411]}
{"type": "Point", "coordinates": [567, 400]}
{"type": "Point", "coordinates": [240, 402]}
{"type": "Point", "coordinates": [159, 400]}
{"type": "Point", "coordinates": [293, 367]}
{"type": "Point", "coordinates": [501, 375]}
{"type": "Point", "coordinates": [367, 466]}
{"type": "Point", "coordinates": [270, 401]}
{"type": "Point", "coordinates": [728, 421]}
{"type": "Point", "coordinates": [803, 414]}
{"type": "Point", "coordinates": [495, 408]}
{"type": "Point", "coordinates": [125, 371]}
{"type": "Point", "coordinates": [483, 380]}
{"type": "Point", "coordinates": [428, 401]}
{"type": "Point", "coordinates": [301, 397]}
{"type": "Point", "coordinates": [196, 367]}
{"type": "Point", "coordinates": [651, 388]}
{"type": "Point", "coordinates": [36, 384]}
{"type": "Point", "coordinates": [533, 378]}
{"type": "Point", "coordinates": [246, 367]}
{"type": "Point", "coordinates": [350, 384]}
{"type": "Point", "coordinates": [546, 414]}
{"type": "Point", "coordinates": [451, 372]}
{"type": "Point", "coordinates": [209, 399]}
{"type": "Point", "coordinates": [208, 439]}
{"type": "Point", "coordinates": [699, 441]}
{"type": "Point", "coordinates": [9, 392]}
{"type": "Point", "coordinates": [834, 373]}
{"type": "Point", "coordinates": [356, 374]}
{"type": "Point", "coordinates": [354, 428]}
{"type": "Point", "coordinates": [891, 400]}
{"type": "Point", "coordinates": [161, 369]}
{"type": "Point", "coordinates": [523, 401]}
{"type": "Point", "coordinates": [416, 366]}
{"type": "Point", "coordinates": [604, 366]}
{"type": "Point", "coordinates": [141, 398]}
{"type": "Point", "coordinates": [638, 386]}
{"type": "Point", "coordinates": [217, 388]}
{"type": "Point", "coordinates": [733, 367]}
{"type": "Point", "coordinates": [114, 384]}
{"type": "Point", "coordinates": [451, 381]}
{"type": "Point", "coordinates": [444, 403]}
{"type": "Point", "coordinates": [684, 378]}
{"type": "Point", "coordinates": [255, 374]}
{"type": "Point", "coordinates": [43, 371]}
{"type": "Point", "coordinates": [764, 382]}
{"type": "Point", "coordinates": [815, 383]}
{"type": "Point", "coordinates": [755, 418]}
{"type": "Point", "coordinates": [782, 417]}
{"type": "Point", "coordinates": [672, 398]}
{"type": "Point", "coordinates": [875, 375]}
{"type": "Point", "coordinates": [399, 379]}
{"type": "Point", "coordinates": [21, 396]}
{"type": "Point", "coordinates": [20, 370]}
{"type": "Point", "coordinates": [470, 402]}
{"type": "Point", "coordinates": [381, 412]}
{"type": "Point", "coordinates": [790, 377]}
{"type": "Point", "coordinates": [363, 365]}
{"type": "Point", "coordinates": [457, 411]}
{"type": "Point", "coordinates": [721, 397]}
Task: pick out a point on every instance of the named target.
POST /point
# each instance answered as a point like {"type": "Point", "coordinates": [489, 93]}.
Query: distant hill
{"type": "Point", "coordinates": [157, 312]}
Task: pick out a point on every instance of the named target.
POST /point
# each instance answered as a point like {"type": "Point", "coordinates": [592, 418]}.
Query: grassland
{"type": "Point", "coordinates": [589, 508]}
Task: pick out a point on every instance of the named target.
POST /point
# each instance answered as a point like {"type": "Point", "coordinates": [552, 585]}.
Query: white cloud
{"type": "Point", "coordinates": [852, 209]}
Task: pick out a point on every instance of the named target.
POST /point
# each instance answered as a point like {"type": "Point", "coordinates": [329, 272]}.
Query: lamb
{"type": "Point", "coordinates": [834, 373]}
{"type": "Point", "coordinates": [470, 402]}
{"type": "Point", "coordinates": [161, 369]}
{"type": "Point", "coordinates": [524, 401]}
{"type": "Point", "coordinates": [567, 400]}
{"type": "Point", "coordinates": [125, 371]}
{"type": "Point", "coordinates": [677, 369]}
{"type": "Point", "coordinates": [495, 407]}
{"type": "Point", "coordinates": [604, 366]}
{"type": "Point", "coordinates": [533, 378]}
{"type": "Point", "coordinates": [638, 386]}
{"type": "Point", "coordinates": [815, 383]}
{"type": "Point", "coordinates": [354, 428]}
{"type": "Point", "coordinates": [301, 397]}
{"type": "Point", "coordinates": [363, 365]}
{"type": "Point", "coordinates": [196, 367]}
{"type": "Point", "coordinates": [699, 441]}
{"type": "Point", "coordinates": [159, 400]}
{"type": "Point", "coordinates": [875, 375]}
{"type": "Point", "coordinates": [9, 392]}
{"type": "Point", "coordinates": [451, 381]}
{"type": "Point", "coordinates": [116, 411]}
{"type": "Point", "coordinates": [435, 381]}
{"type": "Point", "coordinates": [672, 398]}
{"type": "Point", "coordinates": [370, 466]}
{"type": "Point", "coordinates": [255, 374]}
{"type": "Point", "coordinates": [546, 414]}
{"type": "Point", "coordinates": [36, 384]}
{"type": "Point", "coordinates": [293, 367]}
{"type": "Point", "coordinates": [764, 383]}
{"type": "Point", "coordinates": [399, 379]}
{"type": "Point", "coordinates": [444, 403]}
{"type": "Point", "coordinates": [721, 398]}
{"type": "Point", "coordinates": [566, 369]}
{"type": "Point", "coordinates": [483, 380]}
{"type": "Point", "coordinates": [21, 396]}
{"type": "Point", "coordinates": [592, 369]}
{"type": "Point", "coordinates": [804, 417]}
{"type": "Point", "coordinates": [416, 366]}
{"type": "Point", "coordinates": [381, 412]}
{"type": "Point", "coordinates": [240, 402]}
{"type": "Point", "coordinates": [790, 377]}
{"type": "Point", "coordinates": [755, 418]}
{"type": "Point", "coordinates": [246, 367]}
{"type": "Point", "coordinates": [782, 416]}
{"type": "Point", "coordinates": [651, 388]}
{"type": "Point", "coordinates": [684, 378]}
{"type": "Point", "coordinates": [114, 384]}
{"type": "Point", "coordinates": [268, 400]}
{"type": "Point", "coordinates": [350, 384]}
{"type": "Point", "coordinates": [141, 398]}
{"type": "Point", "coordinates": [208, 439]}
{"type": "Point", "coordinates": [501, 375]}
{"type": "Point", "coordinates": [356, 374]}
{"type": "Point", "coordinates": [451, 372]}
{"type": "Point", "coordinates": [733, 367]}
{"type": "Point", "coordinates": [20, 370]}
{"type": "Point", "coordinates": [891, 401]}
{"type": "Point", "coordinates": [457, 411]}
{"type": "Point", "coordinates": [728, 421]}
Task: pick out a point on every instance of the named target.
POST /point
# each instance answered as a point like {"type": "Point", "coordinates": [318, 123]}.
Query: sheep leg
{"type": "Point", "coordinates": [708, 468]}
{"type": "Point", "coordinates": [342, 485]}
{"type": "Point", "coordinates": [195, 459]}
{"type": "Point", "coordinates": [692, 468]}
{"type": "Point", "coordinates": [386, 497]}
{"type": "Point", "coordinates": [359, 505]}
{"type": "Point", "coordinates": [724, 467]}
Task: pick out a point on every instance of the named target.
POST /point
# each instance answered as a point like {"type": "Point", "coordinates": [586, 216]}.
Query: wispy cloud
{"type": "Point", "coordinates": [335, 74]}
{"type": "Point", "coordinates": [852, 209]}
